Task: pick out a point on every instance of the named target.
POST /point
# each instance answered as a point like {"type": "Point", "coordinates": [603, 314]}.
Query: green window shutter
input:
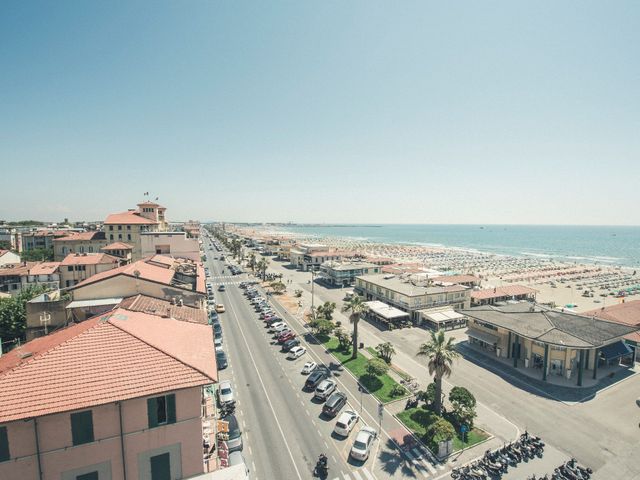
{"type": "Point", "coordinates": [152, 412]}
{"type": "Point", "coordinates": [82, 427]}
{"type": "Point", "coordinates": [4, 445]}
{"type": "Point", "coordinates": [171, 408]}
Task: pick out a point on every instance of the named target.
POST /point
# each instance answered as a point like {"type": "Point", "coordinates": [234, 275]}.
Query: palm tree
{"type": "Point", "coordinates": [262, 265]}
{"type": "Point", "coordinates": [441, 354]}
{"type": "Point", "coordinates": [252, 262]}
{"type": "Point", "coordinates": [386, 351]}
{"type": "Point", "coordinates": [356, 307]}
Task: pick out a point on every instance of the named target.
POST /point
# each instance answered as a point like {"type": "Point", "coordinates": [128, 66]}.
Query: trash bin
{"type": "Point", "coordinates": [361, 344]}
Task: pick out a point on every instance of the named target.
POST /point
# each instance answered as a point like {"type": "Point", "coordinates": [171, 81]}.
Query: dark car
{"type": "Point", "coordinates": [217, 328]}
{"type": "Point", "coordinates": [221, 288]}
{"type": "Point", "coordinates": [314, 379]}
{"type": "Point", "coordinates": [221, 360]}
{"type": "Point", "coordinates": [213, 317]}
{"type": "Point", "coordinates": [272, 320]}
{"type": "Point", "coordinates": [234, 443]}
{"type": "Point", "coordinates": [289, 344]}
{"type": "Point", "coordinates": [334, 403]}
{"type": "Point", "coordinates": [286, 336]}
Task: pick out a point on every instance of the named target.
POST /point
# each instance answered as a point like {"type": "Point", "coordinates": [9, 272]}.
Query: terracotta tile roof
{"type": "Point", "coordinates": [44, 268]}
{"type": "Point", "coordinates": [145, 270]}
{"type": "Point", "coordinates": [75, 237]}
{"type": "Point", "coordinates": [627, 313]}
{"type": "Point", "coordinates": [131, 217]}
{"type": "Point", "coordinates": [156, 306]}
{"type": "Point", "coordinates": [88, 259]}
{"type": "Point", "coordinates": [19, 269]}
{"type": "Point", "coordinates": [118, 246]}
{"type": "Point", "coordinates": [498, 292]}
{"type": "Point", "coordinates": [118, 356]}
{"type": "Point", "coordinates": [2, 252]}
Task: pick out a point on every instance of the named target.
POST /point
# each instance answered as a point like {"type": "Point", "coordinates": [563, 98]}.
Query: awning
{"type": "Point", "coordinates": [482, 336]}
{"type": "Point", "coordinates": [615, 350]}
{"type": "Point", "coordinates": [443, 316]}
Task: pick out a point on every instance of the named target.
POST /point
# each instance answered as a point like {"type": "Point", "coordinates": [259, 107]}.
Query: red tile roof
{"type": "Point", "coordinates": [131, 217]}
{"type": "Point", "coordinates": [44, 268]}
{"type": "Point", "coordinates": [88, 259]}
{"type": "Point", "coordinates": [117, 356]}
{"type": "Point", "coordinates": [19, 269]}
{"type": "Point", "coordinates": [156, 306]}
{"type": "Point", "coordinates": [498, 292]}
{"type": "Point", "coordinates": [118, 246]}
{"type": "Point", "coordinates": [74, 237]}
{"type": "Point", "coordinates": [2, 252]}
{"type": "Point", "coordinates": [627, 313]}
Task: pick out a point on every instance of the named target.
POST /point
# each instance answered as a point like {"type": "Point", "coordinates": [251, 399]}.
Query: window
{"type": "Point", "coordinates": [88, 476]}
{"type": "Point", "coordinates": [119, 227]}
{"type": "Point", "coordinates": [81, 249]}
{"type": "Point", "coordinates": [70, 268]}
{"type": "Point", "coordinates": [4, 445]}
{"type": "Point", "coordinates": [90, 249]}
{"type": "Point", "coordinates": [161, 467]}
{"type": "Point", "coordinates": [161, 410]}
{"type": "Point", "coordinates": [111, 236]}
{"type": "Point", "coordinates": [119, 236]}
{"type": "Point", "coordinates": [128, 227]}
{"type": "Point", "coordinates": [82, 427]}
{"type": "Point", "coordinates": [111, 227]}
{"type": "Point", "coordinates": [128, 236]}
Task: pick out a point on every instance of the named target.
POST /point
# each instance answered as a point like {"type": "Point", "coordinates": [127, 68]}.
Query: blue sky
{"type": "Point", "coordinates": [361, 111]}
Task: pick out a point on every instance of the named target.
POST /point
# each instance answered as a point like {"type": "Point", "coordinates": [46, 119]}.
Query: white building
{"type": "Point", "coordinates": [7, 257]}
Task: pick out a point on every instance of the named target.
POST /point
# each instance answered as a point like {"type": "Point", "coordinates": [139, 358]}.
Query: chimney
{"type": "Point", "coordinates": [181, 303]}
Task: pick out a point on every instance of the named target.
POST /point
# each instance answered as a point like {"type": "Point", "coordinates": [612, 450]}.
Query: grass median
{"type": "Point", "coordinates": [419, 419]}
{"type": "Point", "coordinates": [380, 386]}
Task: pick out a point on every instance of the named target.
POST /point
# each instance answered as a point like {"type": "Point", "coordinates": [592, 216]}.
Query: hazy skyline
{"type": "Point", "coordinates": [331, 112]}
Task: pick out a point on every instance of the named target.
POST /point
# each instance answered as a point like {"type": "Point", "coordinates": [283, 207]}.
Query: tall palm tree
{"type": "Point", "coordinates": [441, 353]}
{"type": "Point", "coordinates": [262, 265]}
{"type": "Point", "coordinates": [252, 262]}
{"type": "Point", "coordinates": [356, 307]}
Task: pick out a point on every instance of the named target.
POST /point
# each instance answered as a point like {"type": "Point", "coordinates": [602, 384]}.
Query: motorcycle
{"type": "Point", "coordinates": [322, 467]}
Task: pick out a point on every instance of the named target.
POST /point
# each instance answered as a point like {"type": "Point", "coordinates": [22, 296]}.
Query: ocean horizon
{"type": "Point", "coordinates": [602, 244]}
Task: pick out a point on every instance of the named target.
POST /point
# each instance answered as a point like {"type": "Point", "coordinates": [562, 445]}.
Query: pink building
{"type": "Point", "coordinates": [118, 396]}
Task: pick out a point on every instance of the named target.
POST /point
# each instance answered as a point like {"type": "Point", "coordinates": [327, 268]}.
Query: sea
{"type": "Point", "coordinates": [605, 245]}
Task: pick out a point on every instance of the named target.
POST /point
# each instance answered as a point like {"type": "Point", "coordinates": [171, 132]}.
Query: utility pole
{"type": "Point", "coordinates": [312, 289]}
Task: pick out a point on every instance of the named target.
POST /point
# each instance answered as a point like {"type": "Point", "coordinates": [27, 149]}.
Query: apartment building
{"type": "Point", "coordinates": [343, 274]}
{"type": "Point", "coordinates": [118, 396]}
{"type": "Point", "coordinates": [8, 257]}
{"type": "Point", "coordinates": [81, 242]}
{"type": "Point", "coordinates": [15, 277]}
{"type": "Point", "coordinates": [411, 295]}
{"type": "Point", "coordinates": [175, 244]}
{"type": "Point", "coordinates": [127, 226]}
{"type": "Point", "coordinates": [77, 267]}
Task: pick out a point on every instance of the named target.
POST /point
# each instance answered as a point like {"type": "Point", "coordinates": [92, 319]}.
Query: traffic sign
{"type": "Point", "coordinates": [464, 429]}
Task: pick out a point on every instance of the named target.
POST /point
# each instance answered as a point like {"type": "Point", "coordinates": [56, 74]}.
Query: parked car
{"type": "Point", "coordinates": [220, 308]}
{"type": "Point", "coordinates": [285, 336]}
{"type": "Point", "coordinates": [296, 352]}
{"type": "Point", "coordinates": [236, 458]}
{"type": "Point", "coordinates": [324, 389]}
{"type": "Point", "coordinates": [234, 442]}
{"type": "Point", "coordinates": [218, 343]}
{"type": "Point", "coordinates": [315, 378]}
{"type": "Point", "coordinates": [362, 445]}
{"type": "Point", "coordinates": [273, 326]}
{"type": "Point", "coordinates": [309, 367]}
{"type": "Point", "coordinates": [346, 421]}
{"type": "Point", "coordinates": [217, 328]}
{"type": "Point", "coordinates": [213, 317]}
{"type": "Point", "coordinates": [289, 344]}
{"type": "Point", "coordinates": [280, 328]}
{"type": "Point", "coordinates": [221, 360]}
{"type": "Point", "coordinates": [225, 392]}
{"type": "Point", "coordinates": [334, 404]}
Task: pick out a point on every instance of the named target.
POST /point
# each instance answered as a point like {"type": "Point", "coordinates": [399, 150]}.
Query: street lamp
{"type": "Point", "coordinates": [312, 289]}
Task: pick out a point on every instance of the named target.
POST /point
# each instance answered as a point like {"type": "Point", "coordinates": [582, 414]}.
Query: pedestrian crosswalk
{"type": "Point", "coordinates": [361, 474]}
{"type": "Point", "coordinates": [420, 458]}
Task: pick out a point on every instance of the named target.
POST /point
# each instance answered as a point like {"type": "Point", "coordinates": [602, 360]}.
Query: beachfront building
{"type": "Point", "coordinates": [626, 313]}
{"type": "Point", "coordinates": [300, 255]}
{"type": "Point", "coordinates": [343, 274]}
{"type": "Point", "coordinates": [127, 226]}
{"type": "Point", "coordinates": [8, 257]}
{"type": "Point", "coordinates": [119, 396]}
{"type": "Point", "coordinates": [387, 315]}
{"type": "Point", "coordinates": [174, 243]}
{"type": "Point", "coordinates": [441, 318]}
{"type": "Point", "coordinates": [491, 296]}
{"type": "Point", "coordinates": [547, 342]}
{"type": "Point", "coordinates": [79, 242]}
{"type": "Point", "coordinates": [411, 295]}
{"type": "Point", "coordinates": [77, 267]}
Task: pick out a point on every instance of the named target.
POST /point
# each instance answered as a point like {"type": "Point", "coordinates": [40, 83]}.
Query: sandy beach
{"type": "Point", "coordinates": [579, 287]}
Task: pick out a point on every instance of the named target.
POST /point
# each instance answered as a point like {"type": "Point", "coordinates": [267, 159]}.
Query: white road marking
{"type": "Point", "coordinates": [356, 475]}
{"type": "Point", "coordinates": [275, 417]}
{"type": "Point", "coordinates": [368, 474]}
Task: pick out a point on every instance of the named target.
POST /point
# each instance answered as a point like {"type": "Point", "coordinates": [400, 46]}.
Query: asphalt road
{"type": "Point", "coordinates": [283, 432]}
